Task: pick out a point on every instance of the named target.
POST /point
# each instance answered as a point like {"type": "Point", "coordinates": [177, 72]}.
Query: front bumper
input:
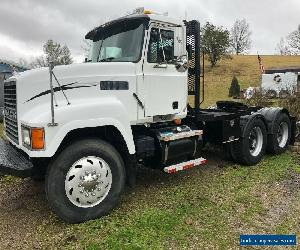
{"type": "Point", "coordinates": [13, 162]}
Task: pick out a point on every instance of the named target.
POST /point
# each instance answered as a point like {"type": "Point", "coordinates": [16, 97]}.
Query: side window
{"type": "Point", "coordinates": [161, 46]}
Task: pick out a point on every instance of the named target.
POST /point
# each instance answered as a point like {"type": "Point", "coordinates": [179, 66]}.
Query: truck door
{"type": "Point", "coordinates": [165, 88]}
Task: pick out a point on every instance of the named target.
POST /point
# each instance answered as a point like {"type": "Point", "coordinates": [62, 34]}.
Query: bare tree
{"type": "Point", "coordinates": [293, 41]}
{"type": "Point", "coordinates": [283, 48]}
{"type": "Point", "coordinates": [291, 44]}
{"type": "Point", "coordinates": [38, 62]}
{"type": "Point", "coordinates": [240, 37]}
{"type": "Point", "coordinates": [54, 52]}
{"type": "Point", "coordinates": [86, 46]}
{"type": "Point", "coordinates": [23, 63]}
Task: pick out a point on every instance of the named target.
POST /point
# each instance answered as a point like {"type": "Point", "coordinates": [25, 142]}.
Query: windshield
{"type": "Point", "coordinates": [121, 44]}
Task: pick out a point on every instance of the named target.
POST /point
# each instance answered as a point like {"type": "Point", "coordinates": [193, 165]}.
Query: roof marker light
{"type": "Point", "coordinates": [142, 10]}
{"type": "Point", "coordinates": [147, 12]}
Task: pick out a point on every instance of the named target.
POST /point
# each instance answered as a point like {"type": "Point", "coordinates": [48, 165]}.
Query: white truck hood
{"type": "Point", "coordinates": [80, 82]}
{"type": "Point", "coordinates": [36, 81]}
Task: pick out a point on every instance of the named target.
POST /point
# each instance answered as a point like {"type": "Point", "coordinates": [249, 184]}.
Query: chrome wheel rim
{"type": "Point", "coordinates": [255, 141]}
{"type": "Point", "coordinates": [282, 134]}
{"type": "Point", "coordinates": [88, 182]}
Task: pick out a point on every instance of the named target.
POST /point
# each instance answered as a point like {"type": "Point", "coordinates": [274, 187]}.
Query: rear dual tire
{"type": "Point", "coordinates": [279, 140]}
{"type": "Point", "coordinates": [250, 149]}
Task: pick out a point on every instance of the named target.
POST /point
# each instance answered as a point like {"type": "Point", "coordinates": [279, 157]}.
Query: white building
{"type": "Point", "coordinates": [281, 81]}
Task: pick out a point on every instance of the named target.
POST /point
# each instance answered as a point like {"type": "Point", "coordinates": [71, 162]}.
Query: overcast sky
{"type": "Point", "coordinates": [26, 24]}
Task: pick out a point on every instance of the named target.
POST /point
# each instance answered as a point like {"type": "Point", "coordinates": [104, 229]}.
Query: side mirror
{"type": "Point", "coordinates": [182, 64]}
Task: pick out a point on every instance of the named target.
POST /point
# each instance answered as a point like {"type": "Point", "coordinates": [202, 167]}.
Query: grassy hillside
{"type": "Point", "coordinates": [245, 68]}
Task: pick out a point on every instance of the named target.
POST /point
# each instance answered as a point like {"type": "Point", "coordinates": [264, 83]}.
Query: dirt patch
{"type": "Point", "coordinates": [23, 209]}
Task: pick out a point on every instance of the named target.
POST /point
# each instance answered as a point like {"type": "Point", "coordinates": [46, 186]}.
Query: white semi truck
{"type": "Point", "coordinates": [87, 127]}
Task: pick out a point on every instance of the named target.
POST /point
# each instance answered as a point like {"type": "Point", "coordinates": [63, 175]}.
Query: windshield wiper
{"type": "Point", "coordinates": [108, 59]}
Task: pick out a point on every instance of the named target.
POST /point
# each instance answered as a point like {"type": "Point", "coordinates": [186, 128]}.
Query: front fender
{"type": "Point", "coordinates": [108, 111]}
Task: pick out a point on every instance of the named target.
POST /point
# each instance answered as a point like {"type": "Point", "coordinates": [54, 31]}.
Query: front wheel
{"type": "Point", "coordinates": [85, 181]}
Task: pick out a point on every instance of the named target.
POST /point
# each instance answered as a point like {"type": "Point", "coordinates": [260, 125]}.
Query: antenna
{"type": "Point", "coordinates": [62, 90]}
{"type": "Point", "coordinates": [51, 67]}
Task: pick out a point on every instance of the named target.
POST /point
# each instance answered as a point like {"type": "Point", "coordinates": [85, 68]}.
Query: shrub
{"type": "Point", "coordinates": [259, 99]}
{"type": "Point", "coordinates": [292, 103]}
{"type": "Point", "coordinates": [235, 88]}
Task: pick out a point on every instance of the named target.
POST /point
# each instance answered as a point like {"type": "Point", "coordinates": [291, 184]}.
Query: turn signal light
{"type": "Point", "coordinates": [178, 121]}
{"type": "Point", "coordinates": [37, 138]}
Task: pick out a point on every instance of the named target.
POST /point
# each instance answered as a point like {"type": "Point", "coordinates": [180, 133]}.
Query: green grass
{"type": "Point", "coordinates": [203, 208]}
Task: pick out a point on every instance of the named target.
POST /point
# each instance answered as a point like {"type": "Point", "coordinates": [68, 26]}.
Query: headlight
{"type": "Point", "coordinates": [33, 138]}
{"type": "Point", "coordinates": [26, 138]}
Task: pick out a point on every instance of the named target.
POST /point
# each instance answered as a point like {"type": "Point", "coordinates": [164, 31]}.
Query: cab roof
{"type": "Point", "coordinates": [142, 18]}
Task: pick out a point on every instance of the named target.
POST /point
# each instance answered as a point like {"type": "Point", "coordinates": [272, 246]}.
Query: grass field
{"type": "Point", "coordinates": [205, 208]}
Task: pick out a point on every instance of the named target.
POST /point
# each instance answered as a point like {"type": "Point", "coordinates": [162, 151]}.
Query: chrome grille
{"type": "Point", "coordinates": [10, 111]}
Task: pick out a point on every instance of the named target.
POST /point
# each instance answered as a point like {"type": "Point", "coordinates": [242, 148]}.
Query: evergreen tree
{"type": "Point", "coordinates": [235, 89]}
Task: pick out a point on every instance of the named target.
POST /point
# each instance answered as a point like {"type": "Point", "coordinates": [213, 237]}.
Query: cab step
{"type": "Point", "coordinates": [178, 133]}
{"type": "Point", "coordinates": [171, 136]}
{"type": "Point", "coordinates": [184, 165]}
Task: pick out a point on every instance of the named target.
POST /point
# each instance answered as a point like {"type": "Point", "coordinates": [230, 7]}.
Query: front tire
{"type": "Point", "coordinates": [85, 181]}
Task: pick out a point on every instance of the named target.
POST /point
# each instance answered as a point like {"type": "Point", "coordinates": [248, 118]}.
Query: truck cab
{"type": "Point", "coordinates": [86, 128]}
{"type": "Point", "coordinates": [151, 47]}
